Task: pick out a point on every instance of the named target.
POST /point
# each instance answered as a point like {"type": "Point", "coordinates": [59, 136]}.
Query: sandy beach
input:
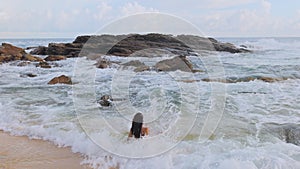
{"type": "Point", "coordinates": [21, 152]}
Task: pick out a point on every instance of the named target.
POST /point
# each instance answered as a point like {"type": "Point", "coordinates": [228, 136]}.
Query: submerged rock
{"type": "Point", "coordinates": [142, 68]}
{"type": "Point", "coordinates": [31, 58]}
{"type": "Point", "coordinates": [135, 63]}
{"type": "Point", "coordinates": [55, 58]}
{"type": "Point", "coordinates": [44, 65]}
{"type": "Point", "coordinates": [245, 79]}
{"type": "Point", "coordinates": [106, 100]}
{"type": "Point", "coordinates": [61, 79]}
{"type": "Point", "coordinates": [28, 75]}
{"type": "Point", "coordinates": [289, 133]}
{"type": "Point", "coordinates": [176, 63]}
{"type": "Point", "coordinates": [103, 63]}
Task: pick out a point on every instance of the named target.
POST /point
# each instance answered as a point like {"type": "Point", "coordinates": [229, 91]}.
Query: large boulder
{"type": "Point", "coordinates": [40, 50]}
{"type": "Point", "coordinates": [66, 49]}
{"type": "Point", "coordinates": [61, 79]}
{"type": "Point", "coordinates": [176, 63]}
{"type": "Point", "coordinates": [9, 52]}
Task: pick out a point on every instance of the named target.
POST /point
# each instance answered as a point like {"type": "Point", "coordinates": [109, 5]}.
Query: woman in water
{"type": "Point", "coordinates": [137, 130]}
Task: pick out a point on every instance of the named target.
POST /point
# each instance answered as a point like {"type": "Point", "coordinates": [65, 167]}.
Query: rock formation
{"type": "Point", "coordinates": [61, 79]}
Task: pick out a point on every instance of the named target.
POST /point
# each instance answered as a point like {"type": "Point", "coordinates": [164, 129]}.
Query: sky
{"type": "Point", "coordinates": [216, 18]}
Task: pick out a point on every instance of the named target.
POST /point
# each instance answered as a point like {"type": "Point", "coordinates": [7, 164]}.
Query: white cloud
{"type": "Point", "coordinates": [4, 16]}
{"type": "Point", "coordinates": [134, 8]}
{"type": "Point", "coordinates": [244, 22]}
{"type": "Point", "coordinates": [102, 11]}
{"type": "Point", "coordinates": [266, 5]}
{"type": "Point", "coordinates": [216, 4]}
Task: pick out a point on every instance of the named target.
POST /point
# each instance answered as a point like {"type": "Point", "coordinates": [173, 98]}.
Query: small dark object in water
{"type": "Point", "coordinates": [106, 101]}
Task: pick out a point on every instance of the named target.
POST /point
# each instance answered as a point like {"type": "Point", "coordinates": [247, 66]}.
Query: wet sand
{"type": "Point", "coordinates": [17, 152]}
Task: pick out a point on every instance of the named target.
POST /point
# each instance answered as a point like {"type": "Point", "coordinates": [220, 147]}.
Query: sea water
{"type": "Point", "coordinates": [175, 111]}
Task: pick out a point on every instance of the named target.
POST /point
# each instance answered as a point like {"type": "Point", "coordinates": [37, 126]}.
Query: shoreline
{"type": "Point", "coordinates": [22, 152]}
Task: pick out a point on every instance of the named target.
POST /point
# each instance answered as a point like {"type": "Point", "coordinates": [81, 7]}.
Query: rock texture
{"type": "Point", "coordinates": [43, 65]}
{"type": "Point", "coordinates": [176, 63]}
{"type": "Point", "coordinates": [134, 63]}
{"type": "Point", "coordinates": [103, 63]}
{"type": "Point", "coordinates": [9, 53]}
{"type": "Point", "coordinates": [126, 45]}
{"type": "Point", "coordinates": [55, 58]}
{"type": "Point", "coordinates": [61, 79]}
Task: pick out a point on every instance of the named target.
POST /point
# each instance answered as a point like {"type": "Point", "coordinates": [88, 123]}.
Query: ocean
{"type": "Point", "coordinates": [193, 123]}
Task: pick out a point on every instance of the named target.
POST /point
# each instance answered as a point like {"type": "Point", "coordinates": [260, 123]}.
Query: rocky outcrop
{"type": "Point", "coordinates": [126, 45]}
{"type": "Point", "coordinates": [55, 58]}
{"type": "Point", "coordinates": [176, 63]}
{"type": "Point", "coordinates": [12, 52]}
{"type": "Point", "coordinates": [9, 53]}
{"type": "Point", "coordinates": [61, 79]}
{"type": "Point", "coordinates": [40, 50]}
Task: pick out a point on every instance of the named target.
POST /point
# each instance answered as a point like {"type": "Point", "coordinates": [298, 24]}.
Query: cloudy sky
{"type": "Point", "coordinates": [217, 18]}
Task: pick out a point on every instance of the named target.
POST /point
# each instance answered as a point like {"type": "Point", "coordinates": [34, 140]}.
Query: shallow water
{"type": "Point", "coordinates": [175, 111]}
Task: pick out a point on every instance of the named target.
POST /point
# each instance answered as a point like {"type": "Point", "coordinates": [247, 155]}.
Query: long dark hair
{"type": "Point", "coordinates": [137, 123]}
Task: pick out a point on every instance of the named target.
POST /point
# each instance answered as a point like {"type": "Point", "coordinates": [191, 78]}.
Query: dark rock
{"type": "Point", "coordinates": [105, 101]}
{"type": "Point", "coordinates": [126, 45]}
{"type": "Point", "coordinates": [81, 39]}
{"type": "Point", "coordinates": [28, 75]}
{"type": "Point", "coordinates": [40, 50]}
{"type": "Point", "coordinates": [134, 43]}
{"type": "Point", "coordinates": [243, 46]}
{"type": "Point", "coordinates": [176, 63]}
{"type": "Point", "coordinates": [61, 79]}
{"type": "Point", "coordinates": [66, 49]}
{"type": "Point", "coordinates": [55, 58]}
